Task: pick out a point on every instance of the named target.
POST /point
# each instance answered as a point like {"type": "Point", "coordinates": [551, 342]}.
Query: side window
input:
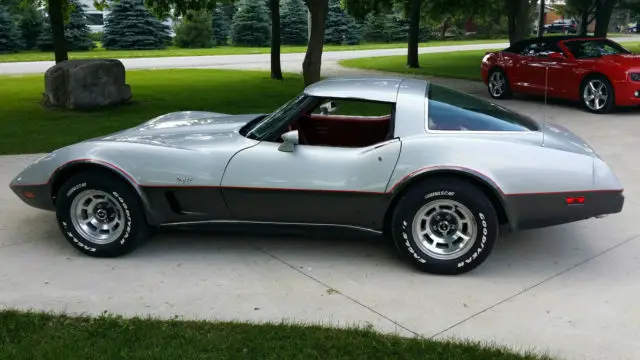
{"type": "Point", "coordinates": [346, 123]}
{"type": "Point", "coordinates": [456, 111]}
{"type": "Point", "coordinates": [352, 107]}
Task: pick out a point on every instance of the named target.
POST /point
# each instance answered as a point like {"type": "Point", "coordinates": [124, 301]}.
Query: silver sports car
{"type": "Point", "coordinates": [436, 170]}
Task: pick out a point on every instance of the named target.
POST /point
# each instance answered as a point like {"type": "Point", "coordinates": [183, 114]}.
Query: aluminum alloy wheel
{"type": "Point", "coordinates": [444, 229]}
{"type": "Point", "coordinates": [497, 84]}
{"type": "Point", "coordinates": [595, 94]}
{"type": "Point", "coordinates": [97, 216]}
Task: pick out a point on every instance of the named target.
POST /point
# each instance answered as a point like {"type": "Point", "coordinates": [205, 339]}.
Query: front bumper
{"type": "Point", "coordinates": [627, 93]}
{"type": "Point", "coordinates": [530, 211]}
{"type": "Point", "coordinates": [37, 196]}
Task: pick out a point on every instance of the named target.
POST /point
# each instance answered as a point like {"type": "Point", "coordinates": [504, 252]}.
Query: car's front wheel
{"type": "Point", "coordinates": [445, 226]}
{"type": "Point", "coordinates": [597, 94]}
{"type": "Point", "coordinates": [498, 85]}
{"type": "Point", "coordinates": [100, 215]}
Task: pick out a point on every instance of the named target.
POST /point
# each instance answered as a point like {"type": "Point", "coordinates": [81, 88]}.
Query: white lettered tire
{"type": "Point", "coordinates": [100, 214]}
{"type": "Point", "coordinates": [445, 225]}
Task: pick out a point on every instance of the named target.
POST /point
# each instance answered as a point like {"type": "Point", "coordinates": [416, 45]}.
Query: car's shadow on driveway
{"type": "Point", "coordinates": [514, 254]}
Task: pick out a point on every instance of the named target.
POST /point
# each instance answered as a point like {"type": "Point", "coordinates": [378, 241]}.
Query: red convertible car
{"type": "Point", "coordinates": [598, 72]}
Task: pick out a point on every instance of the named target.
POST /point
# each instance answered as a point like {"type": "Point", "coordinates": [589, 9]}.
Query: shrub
{"type": "Point", "coordinates": [293, 23]}
{"type": "Point", "coordinates": [251, 25]}
{"type": "Point", "coordinates": [10, 37]}
{"type": "Point", "coordinates": [195, 32]}
{"type": "Point", "coordinates": [130, 25]}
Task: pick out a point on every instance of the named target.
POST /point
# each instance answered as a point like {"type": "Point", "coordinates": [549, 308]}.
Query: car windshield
{"type": "Point", "coordinates": [262, 127]}
{"type": "Point", "coordinates": [454, 110]}
{"type": "Point", "coordinates": [589, 49]}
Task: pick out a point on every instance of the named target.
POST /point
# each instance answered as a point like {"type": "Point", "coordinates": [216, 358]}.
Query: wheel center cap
{"type": "Point", "coordinates": [101, 214]}
{"type": "Point", "coordinates": [444, 226]}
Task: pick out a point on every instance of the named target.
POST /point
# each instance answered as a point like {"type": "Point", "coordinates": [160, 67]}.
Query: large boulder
{"type": "Point", "coordinates": [86, 84]}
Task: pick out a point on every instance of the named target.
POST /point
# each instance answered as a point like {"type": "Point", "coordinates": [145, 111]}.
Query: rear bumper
{"type": "Point", "coordinates": [531, 211]}
{"type": "Point", "coordinates": [37, 196]}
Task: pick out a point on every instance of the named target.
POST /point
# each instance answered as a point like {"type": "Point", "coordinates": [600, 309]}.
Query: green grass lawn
{"type": "Point", "coordinates": [27, 127]}
{"type": "Point", "coordinates": [458, 64]}
{"type": "Point", "coordinates": [46, 336]}
{"type": "Point", "coordinates": [223, 50]}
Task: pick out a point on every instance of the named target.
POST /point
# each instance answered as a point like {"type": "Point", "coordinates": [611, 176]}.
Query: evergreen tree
{"type": "Point", "coordinates": [221, 25]}
{"type": "Point", "coordinates": [130, 25]}
{"type": "Point", "coordinates": [384, 28]}
{"type": "Point", "coordinates": [77, 32]}
{"type": "Point", "coordinates": [30, 23]}
{"type": "Point", "coordinates": [293, 22]}
{"type": "Point", "coordinates": [45, 40]}
{"type": "Point", "coordinates": [251, 24]}
{"type": "Point", "coordinates": [10, 36]}
{"type": "Point", "coordinates": [339, 24]}
{"type": "Point", "coordinates": [196, 32]}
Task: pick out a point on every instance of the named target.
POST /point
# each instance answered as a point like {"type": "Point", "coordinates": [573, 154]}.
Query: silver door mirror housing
{"type": "Point", "coordinates": [289, 141]}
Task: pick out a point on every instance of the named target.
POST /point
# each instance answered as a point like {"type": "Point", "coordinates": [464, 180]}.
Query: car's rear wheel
{"type": "Point", "coordinates": [445, 226]}
{"type": "Point", "coordinates": [100, 215]}
{"type": "Point", "coordinates": [597, 94]}
{"type": "Point", "coordinates": [498, 85]}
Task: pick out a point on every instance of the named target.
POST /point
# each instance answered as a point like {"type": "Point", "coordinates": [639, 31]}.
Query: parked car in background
{"type": "Point", "coordinates": [598, 72]}
{"type": "Point", "coordinates": [563, 26]}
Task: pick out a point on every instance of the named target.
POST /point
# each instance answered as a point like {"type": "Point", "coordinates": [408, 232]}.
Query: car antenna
{"type": "Point", "coordinates": [544, 112]}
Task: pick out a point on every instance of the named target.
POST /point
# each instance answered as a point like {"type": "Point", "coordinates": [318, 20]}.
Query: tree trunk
{"type": "Point", "coordinates": [57, 28]}
{"type": "Point", "coordinates": [414, 34]}
{"type": "Point", "coordinates": [313, 58]}
{"type": "Point", "coordinates": [276, 69]}
{"type": "Point", "coordinates": [584, 24]}
{"type": "Point", "coordinates": [518, 12]}
{"type": "Point", "coordinates": [604, 10]}
{"type": "Point", "coordinates": [541, 18]}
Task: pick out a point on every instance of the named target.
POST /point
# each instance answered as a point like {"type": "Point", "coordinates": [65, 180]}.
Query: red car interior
{"type": "Point", "coordinates": [341, 130]}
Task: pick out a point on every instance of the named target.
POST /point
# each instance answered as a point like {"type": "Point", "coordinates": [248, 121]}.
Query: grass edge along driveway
{"type": "Point", "coordinates": [456, 64]}
{"type": "Point", "coordinates": [39, 335]}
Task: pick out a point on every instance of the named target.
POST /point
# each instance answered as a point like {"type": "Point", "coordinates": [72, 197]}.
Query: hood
{"type": "Point", "coordinates": [627, 60]}
{"type": "Point", "coordinates": [558, 137]}
{"type": "Point", "coordinates": [184, 129]}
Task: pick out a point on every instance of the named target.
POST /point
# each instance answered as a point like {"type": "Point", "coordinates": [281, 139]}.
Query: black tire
{"type": "Point", "coordinates": [505, 89]}
{"type": "Point", "coordinates": [133, 224]}
{"type": "Point", "coordinates": [609, 102]}
{"type": "Point", "coordinates": [450, 189]}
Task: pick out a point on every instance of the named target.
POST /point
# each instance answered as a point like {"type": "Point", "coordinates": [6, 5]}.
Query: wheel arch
{"type": "Point", "coordinates": [489, 189]}
{"type": "Point", "coordinates": [66, 171]}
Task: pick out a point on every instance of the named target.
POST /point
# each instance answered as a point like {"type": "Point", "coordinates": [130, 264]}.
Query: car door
{"type": "Point", "coordinates": [553, 72]}
{"type": "Point", "coordinates": [527, 80]}
{"type": "Point", "coordinates": [336, 174]}
{"type": "Point", "coordinates": [311, 184]}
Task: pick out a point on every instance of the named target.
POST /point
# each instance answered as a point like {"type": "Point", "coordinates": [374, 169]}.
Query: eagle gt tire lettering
{"type": "Point", "coordinates": [121, 205]}
{"type": "Point", "coordinates": [420, 206]}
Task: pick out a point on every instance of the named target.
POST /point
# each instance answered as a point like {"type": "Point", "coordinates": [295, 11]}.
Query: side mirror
{"type": "Point", "coordinates": [556, 56]}
{"type": "Point", "coordinates": [290, 140]}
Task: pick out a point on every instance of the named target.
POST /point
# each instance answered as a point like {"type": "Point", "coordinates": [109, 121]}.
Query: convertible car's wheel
{"type": "Point", "coordinates": [597, 95]}
{"type": "Point", "coordinates": [100, 215]}
{"type": "Point", "coordinates": [445, 226]}
{"type": "Point", "coordinates": [499, 85]}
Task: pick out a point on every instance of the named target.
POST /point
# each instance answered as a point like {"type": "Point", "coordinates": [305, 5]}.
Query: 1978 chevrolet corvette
{"type": "Point", "coordinates": [436, 170]}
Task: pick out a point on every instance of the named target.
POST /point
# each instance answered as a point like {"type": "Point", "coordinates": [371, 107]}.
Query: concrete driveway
{"type": "Point", "coordinates": [570, 290]}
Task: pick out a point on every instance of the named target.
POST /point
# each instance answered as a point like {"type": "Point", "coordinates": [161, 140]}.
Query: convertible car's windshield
{"type": "Point", "coordinates": [589, 49]}
{"type": "Point", "coordinates": [276, 120]}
